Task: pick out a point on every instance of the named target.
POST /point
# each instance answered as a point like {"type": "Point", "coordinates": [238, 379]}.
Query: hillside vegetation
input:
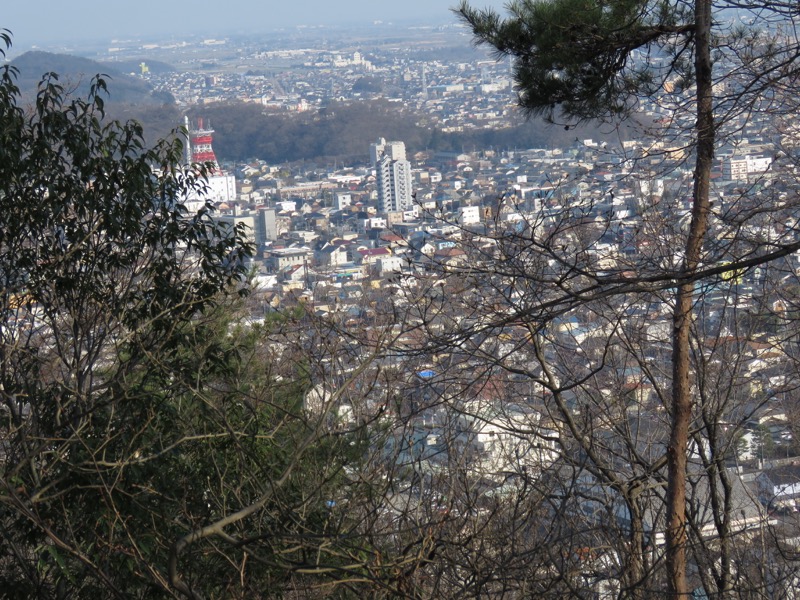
{"type": "Point", "coordinates": [75, 74]}
{"type": "Point", "coordinates": [344, 131]}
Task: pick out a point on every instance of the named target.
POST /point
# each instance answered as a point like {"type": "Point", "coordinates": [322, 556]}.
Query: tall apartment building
{"type": "Point", "coordinates": [745, 168]}
{"type": "Point", "coordinates": [266, 225]}
{"type": "Point", "coordinates": [393, 174]}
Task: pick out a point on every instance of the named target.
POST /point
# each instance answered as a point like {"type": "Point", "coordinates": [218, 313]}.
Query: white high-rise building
{"type": "Point", "coordinates": [393, 174]}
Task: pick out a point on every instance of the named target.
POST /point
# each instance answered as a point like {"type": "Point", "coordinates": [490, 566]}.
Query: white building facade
{"type": "Point", "coordinates": [393, 174]}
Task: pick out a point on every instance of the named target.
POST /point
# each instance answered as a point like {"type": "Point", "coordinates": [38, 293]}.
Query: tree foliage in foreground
{"type": "Point", "coordinates": [150, 445]}
{"type": "Point", "coordinates": [107, 284]}
{"type": "Point", "coordinates": [108, 434]}
{"type": "Point", "coordinates": [582, 60]}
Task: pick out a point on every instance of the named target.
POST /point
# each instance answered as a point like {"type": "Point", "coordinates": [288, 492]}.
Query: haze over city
{"type": "Point", "coordinates": [83, 20]}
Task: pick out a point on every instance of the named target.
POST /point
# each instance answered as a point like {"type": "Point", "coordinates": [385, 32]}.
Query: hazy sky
{"type": "Point", "coordinates": [52, 21]}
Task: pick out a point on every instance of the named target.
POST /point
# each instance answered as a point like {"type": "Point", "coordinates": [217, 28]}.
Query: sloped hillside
{"type": "Point", "coordinates": [76, 73]}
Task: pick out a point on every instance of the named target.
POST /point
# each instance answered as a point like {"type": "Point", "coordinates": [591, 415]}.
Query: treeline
{"type": "Point", "coordinates": [246, 131]}
{"type": "Point", "coordinates": [344, 131]}
{"type": "Point", "coordinates": [341, 131]}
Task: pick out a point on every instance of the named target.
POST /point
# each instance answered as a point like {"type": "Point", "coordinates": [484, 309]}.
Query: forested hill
{"type": "Point", "coordinates": [340, 131]}
{"type": "Point", "coordinates": [345, 131]}
{"type": "Point", "coordinates": [75, 74]}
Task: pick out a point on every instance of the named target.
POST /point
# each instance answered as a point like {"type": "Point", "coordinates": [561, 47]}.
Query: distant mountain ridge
{"type": "Point", "coordinates": [75, 73]}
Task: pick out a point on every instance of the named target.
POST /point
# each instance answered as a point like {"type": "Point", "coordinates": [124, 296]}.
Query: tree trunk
{"type": "Point", "coordinates": [634, 573]}
{"type": "Point", "coordinates": [676, 535]}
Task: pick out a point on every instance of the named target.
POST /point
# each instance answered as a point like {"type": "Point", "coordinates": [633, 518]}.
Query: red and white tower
{"type": "Point", "coordinates": [199, 148]}
{"type": "Point", "coordinates": [217, 186]}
